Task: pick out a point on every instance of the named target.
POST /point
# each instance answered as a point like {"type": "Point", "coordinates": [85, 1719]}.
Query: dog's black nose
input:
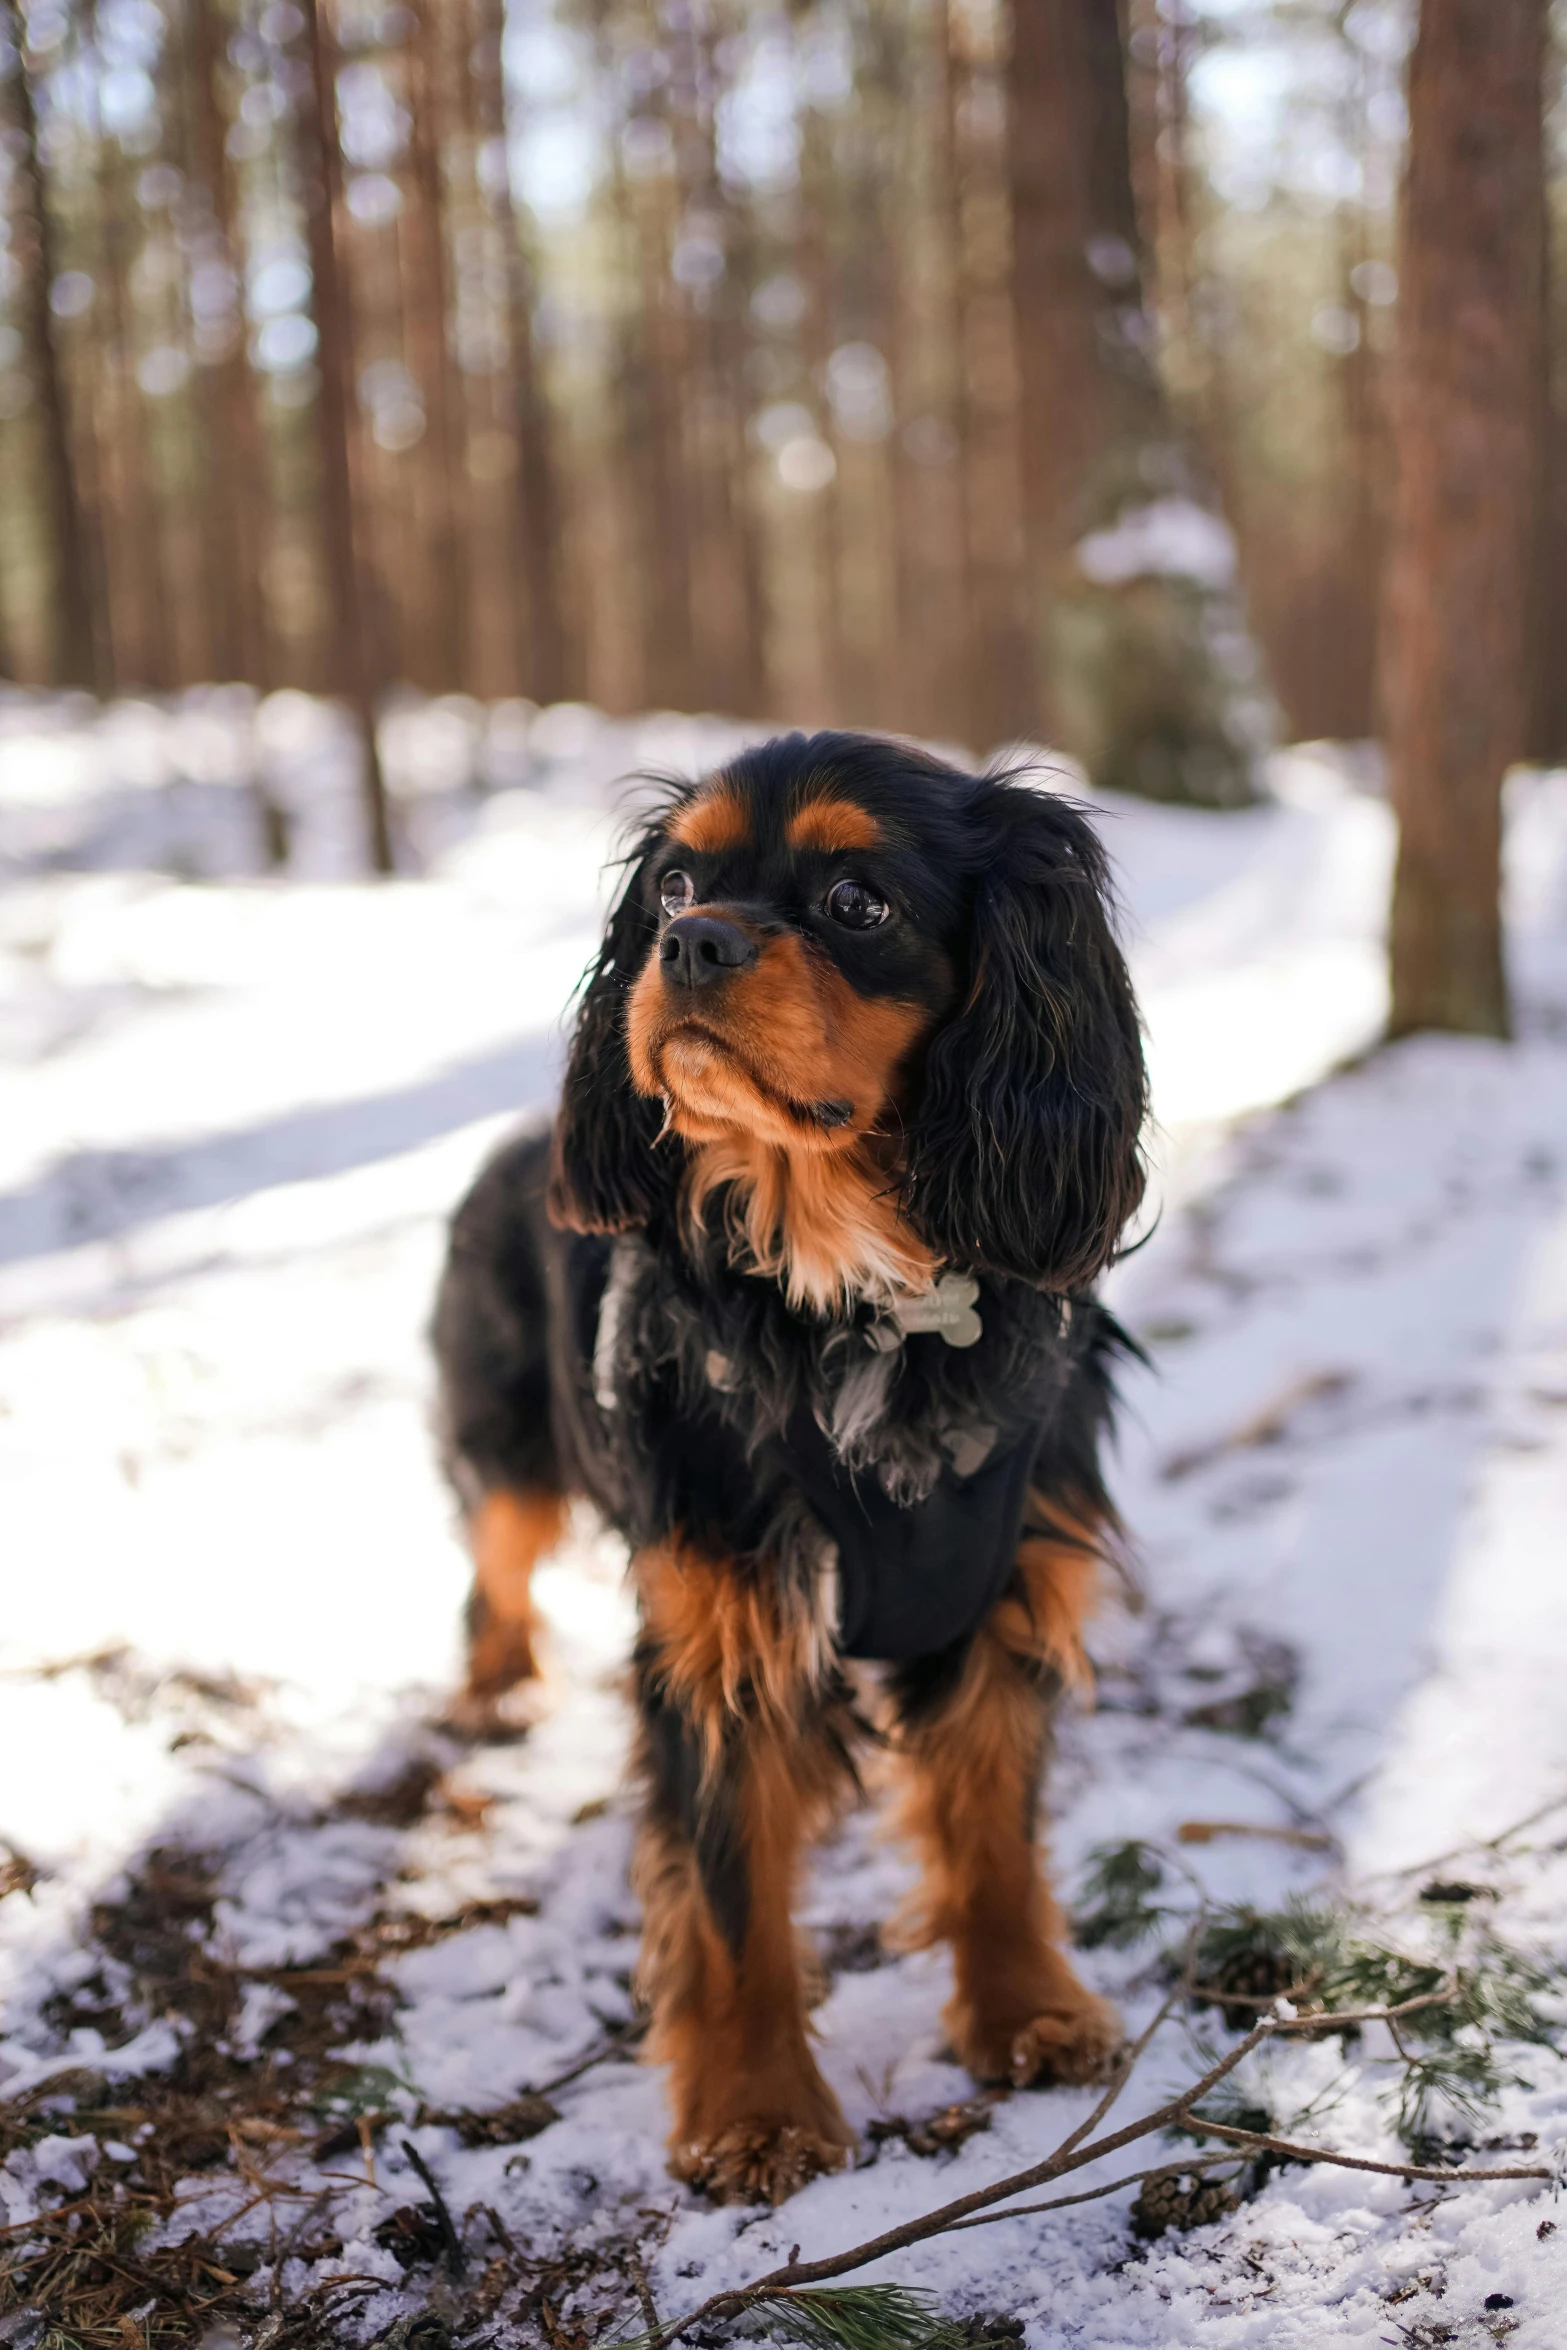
{"type": "Point", "coordinates": [699, 949]}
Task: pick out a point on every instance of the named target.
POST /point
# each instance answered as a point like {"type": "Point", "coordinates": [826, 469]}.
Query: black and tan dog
{"type": "Point", "coordinates": [798, 1295]}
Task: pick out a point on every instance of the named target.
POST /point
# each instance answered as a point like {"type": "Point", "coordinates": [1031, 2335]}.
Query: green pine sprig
{"type": "Point", "coordinates": [1119, 1911]}
{"type": "Point", "coordinates": [1478, 1999]}
{"type": "Point", "coordinates": [840, 2317]}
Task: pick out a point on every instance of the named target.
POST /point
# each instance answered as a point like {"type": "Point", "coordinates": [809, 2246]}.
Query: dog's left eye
{"type": "Point", "coordinates": [855, 906]}
{"type": "Point", "coordinates": [676, 891]}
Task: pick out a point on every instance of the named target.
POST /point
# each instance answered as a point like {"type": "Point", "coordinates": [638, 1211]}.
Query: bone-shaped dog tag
{"type": "Point", "coordinates": [948, 1310]}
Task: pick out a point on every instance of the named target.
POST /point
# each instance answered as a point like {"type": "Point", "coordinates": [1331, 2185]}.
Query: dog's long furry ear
{"type": "Point", "coordinates": [605, 1174]}
{"type": "Point", "coordinates": [1023, 1158]}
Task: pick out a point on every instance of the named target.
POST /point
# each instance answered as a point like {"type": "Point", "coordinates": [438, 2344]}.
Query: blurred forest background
{"type": "Point", "coordinates": [842, 362]}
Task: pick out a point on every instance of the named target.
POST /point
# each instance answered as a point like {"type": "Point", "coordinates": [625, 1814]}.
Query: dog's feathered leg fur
{"type": "Point", "coordinates": [508, 1533]}
{"type": "Point", "coordinates": [972, 1745]}
{"type": "Point", "coordinates": [744, 1754]}
{"type": "Point", "coordinates": [491, 1342]}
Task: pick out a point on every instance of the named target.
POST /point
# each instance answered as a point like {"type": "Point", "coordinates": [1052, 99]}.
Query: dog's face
{"type": "Point", "coordinates": [802, 947]}
{"type": "Point", "coordinates": [839, 948]}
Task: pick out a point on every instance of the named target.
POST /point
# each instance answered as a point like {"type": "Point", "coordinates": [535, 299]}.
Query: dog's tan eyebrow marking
{"type": "Point", "coordinates": [715, 820]}
{"type": "Point", "coordinates": [832, 824]}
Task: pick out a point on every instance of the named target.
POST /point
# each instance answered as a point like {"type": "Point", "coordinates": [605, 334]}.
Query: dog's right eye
{"type": "Point", "coordinates": [676, 891]}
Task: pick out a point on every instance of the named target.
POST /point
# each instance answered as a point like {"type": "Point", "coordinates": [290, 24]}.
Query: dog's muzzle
{"type": "Point", "coordinates": [699, 950]}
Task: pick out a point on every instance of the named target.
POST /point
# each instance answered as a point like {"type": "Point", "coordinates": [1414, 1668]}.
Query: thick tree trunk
{"type": "Point", "coordinates": [1144, 669]}
{"type": "Point", "coordinates": [358, 669]}
{"type": "Point", "coordinates": [72, 651]}
{"type": "Point", "coordinates": [1466, 419]}
{"type": "Point", "coordinates": [1549, 741]}
{"type": "Point", "coordinates": [1088, 387]}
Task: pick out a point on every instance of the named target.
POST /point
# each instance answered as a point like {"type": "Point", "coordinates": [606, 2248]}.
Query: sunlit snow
{"type": "Point", "coordinates": [237, 1109]}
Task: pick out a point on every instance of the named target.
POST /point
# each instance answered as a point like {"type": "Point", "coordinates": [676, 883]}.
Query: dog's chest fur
{"type": "Point", "coordinates": [716, 1414]}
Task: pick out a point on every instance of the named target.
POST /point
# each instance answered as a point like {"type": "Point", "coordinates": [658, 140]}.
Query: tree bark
{"type": "Point", "coordinates": [357, 667]}
{"type": "Point", "coordinates": [1466, 421]}
{"type": "Point", "coordinates": [1143, 668]}
{"type": "Point", "coordinates": [545, 652]}
{"type": "Point", "coordinates": [445, 610]}
{"type": "Point", "coordinates": [648, 397]}
{"type": "Point", "coordinates": [933, 615]}
{"type": "Point", "coordinates": [1088, 386]}
{"type": "Point", "coordinates": [725, 581]}
{"type": "Point", "coordinates": [138, 602]}
{"type": "Point", "coordinates": [1000, 699]}
{"type": "Point", "coordinates": [73, 653]}
{"type": "Point", "coordinates": [236, 454]}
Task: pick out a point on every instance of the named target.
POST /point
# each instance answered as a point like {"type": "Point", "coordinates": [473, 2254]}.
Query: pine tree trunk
{"type": "Point", "coordinates": [725, 576]}
{"type": "Point", "coordinates": [140, 618]}
{"type": "Point", "coordinates": [236, 456]}
{"type": "Point", "coordinates": [1000, 700]}
{"type": "Point", "coordinates": [1549, 742]}
{"type": "Point", "coordinates": [72, 651]}
{"type": "Point", "coordinates": [1077, 257]}
{"type": "Point", "coordinates": [430, 304]}
{"type": "Point", "coordinates": [746, 693]}
{"type": "Point", "coordinates": [1351, 678]}
{"type": "Point", "coordinates": [358, 670]}
{"type": "Point", "coordinates": [1466, 423]}
{"type": "Point", "coordinates": [545, 658]}
{"type": "Point", "coordinates": [648, 404]}
{"type": "Point", "coordinates": [1144, 669]}
{"type": "Point", "coordinates": [235, 467]}
{"type": "Point", "coordinates": [935, 621]}
{"type": "Point", "coordinates": [821, 520]}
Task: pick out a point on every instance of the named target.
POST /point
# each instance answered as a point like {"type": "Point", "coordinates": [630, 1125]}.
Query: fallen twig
{"type": "Point", "coordinates": [615, 2045]}
{"type": "Point", "coordinates": [644, 2293]}
{"type": "Point", "coordinates": [454, 2252]}
{"type": "Point", "coordinates": [1299, 1839]}
{"type": "Point", "coordinates": [1497, 1844]}
{"type": "Point", "coordinates": [1075, 2152]}
{"type": "Point", "coordinates": [1266, 1426]}
{"type": "Point", "coordinates": [1259, 2142]}
{"type": "Point", "coordinates": [1135, 2178]}
{"type": "Point", "coordinates": [1127, 2060]}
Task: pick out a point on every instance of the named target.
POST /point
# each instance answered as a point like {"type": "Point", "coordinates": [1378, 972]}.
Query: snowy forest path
{"type": "Point", "coordinates": [234, 1586]}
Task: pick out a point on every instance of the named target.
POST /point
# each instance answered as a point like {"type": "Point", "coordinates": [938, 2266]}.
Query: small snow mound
{"type": "Point", "coordinates": [1171, 538]}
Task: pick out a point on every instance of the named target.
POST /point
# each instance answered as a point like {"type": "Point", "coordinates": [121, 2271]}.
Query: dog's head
{"type": "Point", "coordinates": [841, 954]}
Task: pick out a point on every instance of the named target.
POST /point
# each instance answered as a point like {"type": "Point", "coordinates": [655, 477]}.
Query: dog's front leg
{"type": "Point", "coordinates": [973, 1748]}
{"type": "Point", "coordinates": [744, 1755]}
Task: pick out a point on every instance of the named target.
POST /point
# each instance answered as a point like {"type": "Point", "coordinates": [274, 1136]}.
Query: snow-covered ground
{"type": "Point", "coordinates": [236, 1112]}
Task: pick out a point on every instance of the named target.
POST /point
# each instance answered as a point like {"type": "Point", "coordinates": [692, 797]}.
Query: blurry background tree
{"type": "Point", "coordinates": [961, 366]}
{"type": "Point", "coordinates": [1145, 670]}
{"type": "Point", "coordinates": [1470, 397]}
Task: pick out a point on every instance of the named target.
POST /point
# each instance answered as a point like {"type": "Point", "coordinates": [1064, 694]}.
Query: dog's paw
{"type": "Point", "coordinates": [501, 1654]}
{"type": "Point", "coordinates": [1072, 2041]}
{"type": "Point", "coordinates": [1076, 2045]}
{"type": "Point", "coordinates": [481, 1717]}
{"type": "Point", "coordinates": [758, 2161]}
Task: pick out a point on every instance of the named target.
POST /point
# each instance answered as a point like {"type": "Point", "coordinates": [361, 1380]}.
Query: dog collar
{"type": "Point", "coordinates": [948, 1309]}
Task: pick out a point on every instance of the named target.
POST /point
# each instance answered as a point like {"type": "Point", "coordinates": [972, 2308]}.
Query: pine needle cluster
{"type": "Point", "coordinates": [863, 2317]}
{"type": "Point", "coordinates": [1476, 1999]}
{"type": "Point", "coordinates": [840, 2317]}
